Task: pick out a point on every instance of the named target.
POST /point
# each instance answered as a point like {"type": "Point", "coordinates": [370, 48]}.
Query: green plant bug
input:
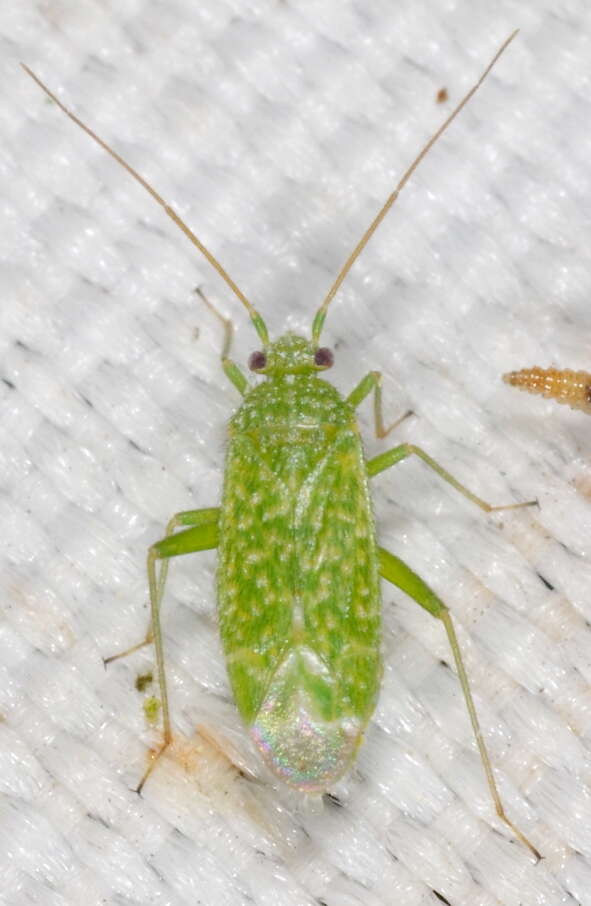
{"type": "Point", "coordinates": [299, 568]}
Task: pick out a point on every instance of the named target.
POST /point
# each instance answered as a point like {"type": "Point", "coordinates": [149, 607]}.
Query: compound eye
{"type": "Point", "coordinates": [323, 357]}
{"type": "Point", "coordinates": [257, 361]}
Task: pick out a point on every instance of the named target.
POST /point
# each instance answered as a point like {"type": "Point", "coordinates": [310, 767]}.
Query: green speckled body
{"type": "Point", "coordinates": [298, 585]}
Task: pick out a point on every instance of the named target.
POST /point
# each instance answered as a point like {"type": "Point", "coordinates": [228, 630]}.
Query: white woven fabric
{"type": "Point", "coordinates": [277, 130]}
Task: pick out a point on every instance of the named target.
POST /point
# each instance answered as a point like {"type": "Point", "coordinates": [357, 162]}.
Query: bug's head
{"type": "Point", "coordinates": [291, 354]}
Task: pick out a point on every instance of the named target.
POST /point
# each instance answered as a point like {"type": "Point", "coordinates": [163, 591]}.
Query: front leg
{"type": "Point", "coordinates": [398, 573]}
{"type": "Point", "coordinates": [231, 369]}
{"type": "Point", "coordinates": [372, 382]}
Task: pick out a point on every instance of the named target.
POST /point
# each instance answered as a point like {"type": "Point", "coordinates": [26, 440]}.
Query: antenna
{"type": "Point", "coordinates": [255, 317]}
{"type": "Point", "coordinates": [321, 313]}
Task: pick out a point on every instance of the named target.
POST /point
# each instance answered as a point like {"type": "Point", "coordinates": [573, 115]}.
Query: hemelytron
{"type": "Point", "coordinates": [299, 567]}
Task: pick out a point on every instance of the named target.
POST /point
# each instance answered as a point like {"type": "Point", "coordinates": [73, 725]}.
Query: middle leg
{"type": "Point", "coordinates": [397, 454]}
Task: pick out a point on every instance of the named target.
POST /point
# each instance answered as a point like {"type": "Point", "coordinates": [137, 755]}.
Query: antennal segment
{"type": "Point", "coordinates": [321, 313]}
{"type": "Point", "coordinates": [255, 317]}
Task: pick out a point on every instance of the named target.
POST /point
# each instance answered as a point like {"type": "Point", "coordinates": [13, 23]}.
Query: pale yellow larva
{"type": "Point", "coordinates": [560, 384]}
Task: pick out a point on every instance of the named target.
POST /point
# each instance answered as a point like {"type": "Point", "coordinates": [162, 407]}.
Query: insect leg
{"type": "Point", "coordinates": [188, 517]}
{"type": "Point", "coordinates": [397, 454]}
{"type": "Point", "coordinates": [372, 382]}
{"type": "Point", "coordinates": [231, 369]}
{"type": "Point", "coordinates": [398, 573]}
{"type": "Point", "coordinates": [202, 535]}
